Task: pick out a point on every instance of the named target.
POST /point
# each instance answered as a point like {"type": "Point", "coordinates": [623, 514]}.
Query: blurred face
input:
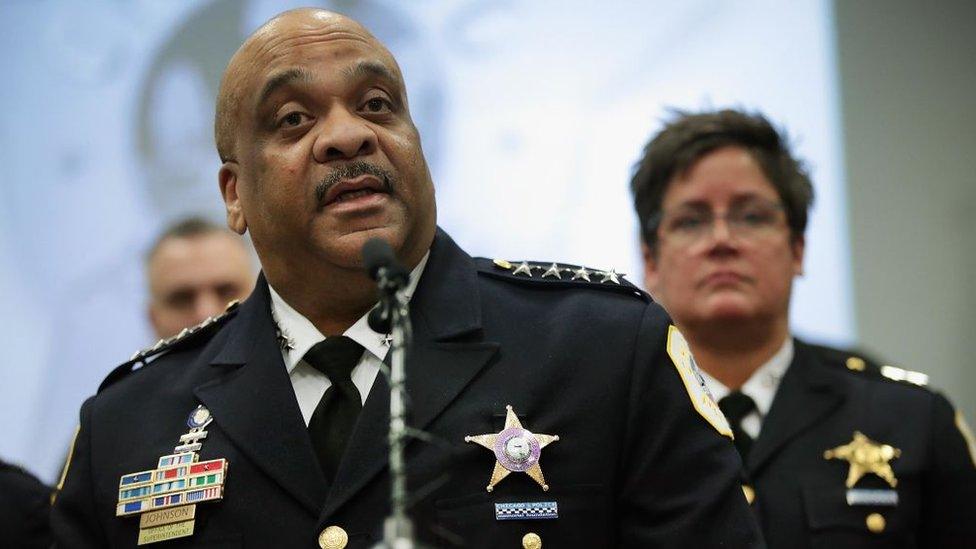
{"type": "Point", "coordinates": [326, 155]}
{"type": "Point", "coordinates": [193, 278]}
{"type": "Point", "coordinates": [724, 252]}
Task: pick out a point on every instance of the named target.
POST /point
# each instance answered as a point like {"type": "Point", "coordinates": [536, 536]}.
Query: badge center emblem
{"type": "Point", "coordinates": [866, 456]}
{"type": "Point", "coordinates": [516, 449]}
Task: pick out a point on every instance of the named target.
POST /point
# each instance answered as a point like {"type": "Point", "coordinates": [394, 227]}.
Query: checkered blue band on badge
{"type": "Point", "coordinates": [540, 510]}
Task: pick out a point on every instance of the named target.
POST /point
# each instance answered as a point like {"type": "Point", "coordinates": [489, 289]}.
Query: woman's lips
{"type": "Point", "coordinates": [723, 278]}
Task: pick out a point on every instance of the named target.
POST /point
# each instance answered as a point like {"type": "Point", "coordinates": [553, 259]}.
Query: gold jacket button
{"type": "Point", "coordinates": [333, 537]}
{"type": "Point", "coordinates": [876, 523]}
{"type": "Point", "coordinates": [856, 363]}
{"type": "Point", "coordinates": [531, 541]}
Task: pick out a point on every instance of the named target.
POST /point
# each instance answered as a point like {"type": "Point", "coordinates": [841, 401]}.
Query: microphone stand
{"type": "Point", "coordinates": [397, 528]}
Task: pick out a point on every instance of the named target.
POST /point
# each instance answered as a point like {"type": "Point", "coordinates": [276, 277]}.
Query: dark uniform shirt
{"type": "Point", "coordinates": [802, 498]}
{"type": "Point", "coordinates": [635, 464]}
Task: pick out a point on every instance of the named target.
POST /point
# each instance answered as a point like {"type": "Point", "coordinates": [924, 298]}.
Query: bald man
{"type": "Point", "coordinates": [559, 405]}
{"type": "Point", "coordinates": [193, 270]}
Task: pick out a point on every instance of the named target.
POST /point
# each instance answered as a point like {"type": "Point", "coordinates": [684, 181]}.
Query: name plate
{"type": "Point", "coordinates": [167, 516]}
{"type": "Point", "coordinates": [863, 496]}
{"type": "Point", "coordinates": [541, 510]}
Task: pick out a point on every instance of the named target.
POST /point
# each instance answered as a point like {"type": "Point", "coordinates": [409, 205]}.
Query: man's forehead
{"type": "Point", "coordinates": [296, 31]}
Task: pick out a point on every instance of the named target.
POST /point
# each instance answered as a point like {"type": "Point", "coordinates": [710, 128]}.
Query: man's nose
{"type": "Point", "coordinates": [344, 136]}
{"type": "Point", "coordinates": [207, 305]}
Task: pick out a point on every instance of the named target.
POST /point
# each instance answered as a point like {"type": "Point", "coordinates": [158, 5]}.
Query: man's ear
{"type": "Point", "coordinates": [798, 246]}
{"type": "Point", "coordinates": [228, 179]}
{"type": "Point", "coordinates": [651, 275]}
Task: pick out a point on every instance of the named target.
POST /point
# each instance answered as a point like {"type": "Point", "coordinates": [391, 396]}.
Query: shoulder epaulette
{"type": "Point", "coordinates": [559, 274]}
{"type": "Point", "coordinates": [858, 364]}
{"type": "Point", "coordinates": [182, 340]}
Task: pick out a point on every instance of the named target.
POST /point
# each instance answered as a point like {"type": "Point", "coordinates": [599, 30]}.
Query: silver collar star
{"type": "Point", "coordinates": [611, 275]}
{"type": "Point", "coordinates": [553, 270]}
{"type": "Point", "coordinates": [581, 273]}
{"type": "Point", "coordinates": [523, 268]}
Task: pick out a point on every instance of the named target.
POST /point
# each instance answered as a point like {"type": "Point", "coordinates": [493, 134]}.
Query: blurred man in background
{"type": "Point", "coordinates": [194, 269]}
{"type": "Point", "coordinates": [834, 452]}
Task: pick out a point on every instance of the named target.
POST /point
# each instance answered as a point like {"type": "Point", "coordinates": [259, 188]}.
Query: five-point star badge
{"type": "Point", "coordinates": [516, 450]}
{"type": "Point", "coordinates": [866, 456]}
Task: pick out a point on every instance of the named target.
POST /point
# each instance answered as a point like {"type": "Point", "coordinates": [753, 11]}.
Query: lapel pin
{"type": "Point", "coordinates": [516, 450]}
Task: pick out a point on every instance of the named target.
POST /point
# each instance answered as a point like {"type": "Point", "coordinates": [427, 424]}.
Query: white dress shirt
{"type": "Point", "coordinates": [309, 383]}
{"type": "Point", "coordinates": [760, 387]}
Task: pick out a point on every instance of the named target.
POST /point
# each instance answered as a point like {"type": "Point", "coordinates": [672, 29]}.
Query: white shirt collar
{"type": "Point", "coordinates": [761, 386]}
{"type": "Point", "coordinates": [301, 334]}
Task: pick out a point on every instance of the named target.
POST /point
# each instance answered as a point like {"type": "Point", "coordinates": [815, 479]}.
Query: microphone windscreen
{"type": "Point", "coordinates": [377, 254]}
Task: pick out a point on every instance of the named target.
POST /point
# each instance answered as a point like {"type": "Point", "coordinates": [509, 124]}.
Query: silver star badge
{"type": "Point", "coordinates": [553, 270]}
{"type": "Point", "coordinates": [523, 268]}
{"type": "Point", "coordinates": [581, 273]}
{"type": "Point", "coordinates": [611, 275]}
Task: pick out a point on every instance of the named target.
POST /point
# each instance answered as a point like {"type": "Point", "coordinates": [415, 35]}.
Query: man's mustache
{"type": "Point", "coordinates": [350, 171]}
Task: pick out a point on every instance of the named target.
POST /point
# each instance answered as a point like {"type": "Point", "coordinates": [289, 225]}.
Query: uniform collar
{"type": "Point", "coordinates": [761, 386]}
{"type": "Point", "coordinates": [298, 334]}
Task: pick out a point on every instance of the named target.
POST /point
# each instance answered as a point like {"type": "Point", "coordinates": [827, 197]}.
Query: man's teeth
{"type": "Point", "coordinates": [354, 194]}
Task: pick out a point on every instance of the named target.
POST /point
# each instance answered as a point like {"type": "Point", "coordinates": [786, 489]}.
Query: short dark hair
{"type": "Point", "coordinates": [687, 137]}
{"type": "Point", "coordinates": [189, 227]}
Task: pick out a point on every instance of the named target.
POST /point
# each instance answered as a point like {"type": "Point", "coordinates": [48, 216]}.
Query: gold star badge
{"type": "Point", "coordinates": [866, 456]}
{"type": "Point", "coordinates": [516, 450]}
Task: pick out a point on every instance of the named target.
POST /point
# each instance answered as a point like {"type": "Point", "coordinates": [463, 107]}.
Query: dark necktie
{"type": "Point", "coordinates": [737, 406]}
{"type": "Point", "coordinates": [335, 416]}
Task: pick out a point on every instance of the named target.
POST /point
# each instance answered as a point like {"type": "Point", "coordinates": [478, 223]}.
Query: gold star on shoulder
{"type": "Point", "coordinates": [866, 456]}
{"type": "Point", "coordinates": [516, 450]}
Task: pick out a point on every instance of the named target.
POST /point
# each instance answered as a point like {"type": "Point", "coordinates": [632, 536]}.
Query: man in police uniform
{"type": "Point", "coordinates": [836, 454]}
{"type": "Point", "coordinates": [555, 398]}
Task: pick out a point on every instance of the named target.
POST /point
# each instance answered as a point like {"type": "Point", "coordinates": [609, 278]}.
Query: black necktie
{"type": "Point", "coordinates": [737, 406]}
{"type": "Point", "coordinates": [335, 416]}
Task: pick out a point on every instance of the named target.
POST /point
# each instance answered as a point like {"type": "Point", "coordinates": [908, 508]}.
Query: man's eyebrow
{"type": "Point", "coordinates": [370, 68]}
{"type": "Point", "coordinates": [281, 79]}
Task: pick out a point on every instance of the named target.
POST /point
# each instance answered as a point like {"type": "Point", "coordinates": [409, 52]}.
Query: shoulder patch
{"type": "Point", "coordinates": [181, 340]}
{"type": "Point", "coordinates": [701, 399]}
{"type": "Point", "coordinates": [558, 274]}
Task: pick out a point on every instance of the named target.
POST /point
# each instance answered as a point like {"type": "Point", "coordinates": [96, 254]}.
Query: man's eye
{"type": "Point", "coordinates": [180, 299]}
{"type": "Point", "coordinates": [377, 105]}
{"type": "Point", "coordinates": [291, 120]}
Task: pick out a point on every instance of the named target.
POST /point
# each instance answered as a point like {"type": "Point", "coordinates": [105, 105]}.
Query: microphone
{"type": "Point", "coordinates": [392, 316]}
{"type": "Point", "coordinates": [382, 266]}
